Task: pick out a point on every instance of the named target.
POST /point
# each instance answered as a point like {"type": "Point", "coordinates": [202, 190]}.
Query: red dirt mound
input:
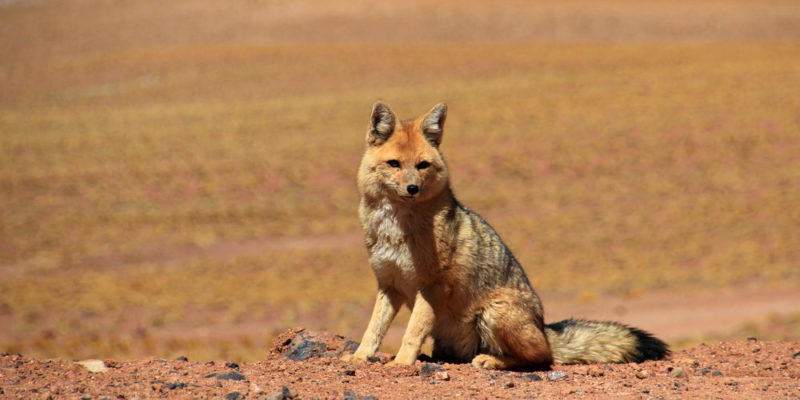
{"type": "Point", "coordinates": [752, 369]}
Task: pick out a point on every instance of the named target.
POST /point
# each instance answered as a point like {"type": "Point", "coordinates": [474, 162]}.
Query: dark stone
{"type": "Point", "coordinates": [232, 365]}
{"type": "Point", "coordinates": [182, 358]}
{"type": "Point", "coordinates": [428, 369]}
{"type": "Point", "coordinates": [716, 373]}
{"type": "Point", "coordinates": [233, 396]}
{"type": "Point", "coordinates": [176, 385]}
{"type": "Point", "coordinates": [286, 393]}
{"type": "Point", "coordinates": [534, 377]}
{"type": "Point", "coordinates": [351, 395]}
{"type": "Point", "coordinates": [232, 376]}
{"type": "Point", "coordinates": [349, 347]}
{"type": "Point", "coordinates": [301, 348]}
{"type": "Point", "coordinates": [350, 372]}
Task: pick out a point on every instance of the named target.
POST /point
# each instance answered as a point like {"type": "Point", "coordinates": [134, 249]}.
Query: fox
{"type": "Point", "coordinates": [463, 285]}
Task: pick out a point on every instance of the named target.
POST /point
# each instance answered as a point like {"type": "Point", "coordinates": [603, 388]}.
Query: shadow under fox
{"type": "Point", "coordinates": [463, 285]}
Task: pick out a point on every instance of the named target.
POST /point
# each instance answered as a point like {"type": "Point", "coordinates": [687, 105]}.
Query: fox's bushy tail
{"type": "Point", "coordinates": [576, 341]}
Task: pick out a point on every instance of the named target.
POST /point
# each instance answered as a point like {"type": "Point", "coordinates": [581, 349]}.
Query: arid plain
{"type": "Point", "coordinates": [178, 178]}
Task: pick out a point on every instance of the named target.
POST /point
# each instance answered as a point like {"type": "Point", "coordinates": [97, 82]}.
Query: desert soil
{"type": "Point", "coordinates": [305, 365]}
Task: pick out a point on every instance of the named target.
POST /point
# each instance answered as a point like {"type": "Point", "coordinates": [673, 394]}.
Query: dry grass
{"type": "Point", "coordinates": [624, 147]}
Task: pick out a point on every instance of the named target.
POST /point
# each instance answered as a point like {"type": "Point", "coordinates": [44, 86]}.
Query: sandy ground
{"type": "Point", "coordinates": [305, 365]}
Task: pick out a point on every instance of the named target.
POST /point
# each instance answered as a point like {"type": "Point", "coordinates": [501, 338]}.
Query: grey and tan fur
{"type": "Point", "coordinates": [464, 286]}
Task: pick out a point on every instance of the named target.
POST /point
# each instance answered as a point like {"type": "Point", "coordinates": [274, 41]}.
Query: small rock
{"type": "Point", "coordinates": [93, 365]}
{"type": "Point", "coordinates": [429, 369]}
{"type": "Point", "coordinates": [273, 396]}
{"type": "Point", "coordinates": [350, 372]}
{"type": "Point", "coordinates": [286, 393]}
{"type": "Point", "coordinates": [233, 396]}
{"type": "Point", "coordinates": [232, 365]}
{"type": "Point", "coordinates": [176, 385]}
{"type": "Point", "coordinates": [556, 375]}
{"type": "Point", "coordinates": [692, 362]}
{"type": "Point", "coordinates": [441, 375]}
{"type": "Point", "coordinates": [716, 373]}
{"type": "Point", "coordinates": [302, 347]}
{"type": "Point", "coordinates": [351, 395]}
{"type": "Point", "coordinates": [752, 339]}
{"type": "Point", "coordinates": [533, 377]}
{"type": "Point", "coordinates": [677, 372]}
{"type": "Point", "coordinates": [510, 384]}
{"type": "Point", "coordinates": [642, 373]}
{"type": "Point", "coordinates": [231, 376]}
{"type": "Point", "coordinates": [795, 355]}
{"type": "Point", "coordinates": [182, 358]}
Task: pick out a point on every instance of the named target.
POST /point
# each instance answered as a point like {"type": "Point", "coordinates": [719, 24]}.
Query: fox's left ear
{"type": "Point", "coordinates": [432, 125]}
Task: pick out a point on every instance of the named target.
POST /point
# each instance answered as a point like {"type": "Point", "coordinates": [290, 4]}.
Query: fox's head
{"type": "Point", "coordinates": [402, 161]}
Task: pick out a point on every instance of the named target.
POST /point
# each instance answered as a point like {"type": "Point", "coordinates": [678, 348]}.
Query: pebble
{"type": "Point", "coordinates": [642, 373]}
{"type": "Point", "coordinates": [441, 375]}
{"type": "Point", "coordinates": [273, 396]}
{"type": "Point", "coordinates": [231, 376]}
{"type": "Point", "coordinates": [429, 369]}
{"type": "Point", "coordinates": [176, 385]}
{"type": "Point", "coordinates": [677, 372]}
{"type": "Point", "coordinates": [557, 375]}
{"type": "Point", "coordinates": [533, 377]}
{"type": "Point", "coordinates": [93, 365]}
{"type": "Point", "coordinates": [233, 396]}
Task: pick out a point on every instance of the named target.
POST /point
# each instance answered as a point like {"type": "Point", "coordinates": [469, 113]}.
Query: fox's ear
{"type": "Point", "coordinates": [433, 124]}
{"type": "Point", "coordinates": [381, 124]}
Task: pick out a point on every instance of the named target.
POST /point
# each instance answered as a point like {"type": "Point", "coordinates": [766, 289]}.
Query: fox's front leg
{"type": "Point", "coordinates": [419, 327]}
{"type": "Point", "coordinates": [386, 306]}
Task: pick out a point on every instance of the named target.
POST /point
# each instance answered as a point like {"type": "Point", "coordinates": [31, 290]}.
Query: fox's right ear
{"type": "Point", "coordinates": [381, 124]}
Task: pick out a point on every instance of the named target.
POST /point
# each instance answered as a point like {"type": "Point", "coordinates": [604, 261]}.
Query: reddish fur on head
{"type": "Point", "coordinates": [403, 156]}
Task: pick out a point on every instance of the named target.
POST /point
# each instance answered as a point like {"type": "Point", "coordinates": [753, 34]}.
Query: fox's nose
{"type": "Point", "coordinates": [412, 189]}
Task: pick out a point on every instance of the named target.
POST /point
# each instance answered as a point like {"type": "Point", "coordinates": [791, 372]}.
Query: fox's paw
{"type": "Point", "coordinates": [399, 364]}
{"type": "Point", "coordinates": [353, 358]}
{"type": "Point", "coordinates": [487, 361]}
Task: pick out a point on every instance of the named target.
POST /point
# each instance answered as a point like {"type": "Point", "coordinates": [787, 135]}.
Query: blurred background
{"type": "Point", "coordinates": [178, 177]}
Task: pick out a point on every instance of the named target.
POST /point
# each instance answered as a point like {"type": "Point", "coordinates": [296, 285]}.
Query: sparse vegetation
{"type": "Point", "coordinates": [137, 164]}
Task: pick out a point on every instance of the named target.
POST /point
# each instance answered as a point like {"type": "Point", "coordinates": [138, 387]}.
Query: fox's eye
{"type": "Point", "coordinates": [394, 163]}
{"type": "Point", "coordinates": [423, 165]}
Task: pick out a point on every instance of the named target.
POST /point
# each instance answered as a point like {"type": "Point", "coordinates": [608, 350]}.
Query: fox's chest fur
{"type": "Point", "coordinates": [386, 241]}
{"type": "Point", "coordinates": [398, 256]}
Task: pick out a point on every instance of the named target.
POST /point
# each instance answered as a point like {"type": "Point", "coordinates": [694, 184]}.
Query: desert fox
{"type": "Point", "coordinates": [464, 287]}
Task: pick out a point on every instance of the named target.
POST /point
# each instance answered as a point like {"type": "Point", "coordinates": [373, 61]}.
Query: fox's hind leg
{"type": "Point", "coordinates": [512, 331]}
